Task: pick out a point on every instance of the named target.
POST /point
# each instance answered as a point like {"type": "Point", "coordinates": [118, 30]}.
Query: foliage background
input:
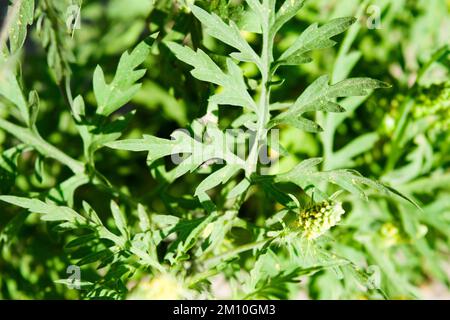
{"type": "Point", "coordinates": [410, 247]}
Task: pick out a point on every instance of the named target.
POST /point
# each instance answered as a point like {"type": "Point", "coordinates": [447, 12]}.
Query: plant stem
{"type": "Point", "coordinates": [264, 100]}
{"type": "Point", "coordinates": [31, 139]}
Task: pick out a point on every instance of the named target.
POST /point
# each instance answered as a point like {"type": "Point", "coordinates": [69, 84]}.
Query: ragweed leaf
{"type": "Point", "coordinates": [8, 167]}
{"type": "Point", "coordinates": [22, 12]}
{"type": "Point", "coordinates": [11, 90]}
{"type": "Point", "coordinates": [188, 232]}
{"type": "Point", "coordinates": [218, 177]}
{"type": "Point", "coordinates": [314, 38]}
{"type": "Point", "coordinates": [121, 90]}
{"type": "Point", "coordinates": [228, 34]}
{"type": "Point", "coordinates": [305, 174]}
{"type": "Point", "coordinates": [286, 12]}
{"type": "Point", "coordinates": [320, 96]}
{"type": "Point", "coordinates": [119, 220]}
{"type": "Point", "coordinates": [181, 143]}
{"type": "Point", "coordinates": [197, 153]}
{"type": "Point", "coordinates": [270, 278]}
{"type": "Point", "coordinates": [299, 123]}
{"type": "Point", "coordinates": [97, 130]}
{"type": "Point", "coordinates": [49, 212]}
{"type": "Point", "coordinates": [234, 89]}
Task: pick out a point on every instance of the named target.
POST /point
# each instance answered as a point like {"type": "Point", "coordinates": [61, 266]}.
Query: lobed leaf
{"type": "Point", "coordinates": [49, 212]}
{"type": "Point", "coordinates": [11, 90]}
{"type": "Point", "coordinates": [234, 91]}
{"type": "Point", "coordinates": [314, 38]}
{"type": "Point", "coordinates": [228, 34]}
{"type": "Point", "coordinates": [320, 96]}
{"type": "Point", "coordinates": [286, 12]}
{"type": "Point", "coordinates": [305, 175]}
{"type": "Point", "coordinates": [119, 220]}
{"type": "Point", "coordinates": [121, 90]}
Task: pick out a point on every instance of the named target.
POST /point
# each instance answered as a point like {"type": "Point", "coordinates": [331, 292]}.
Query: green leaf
{"type": "Point", "coordinates": [49, 212]}
{"type": "Point", "coordinates": [250, 20]}
{"type": "Point", "coordinates": [121, 90]}
{"type": "Point", "coordinates": [188, 232]}
{"type": "Point", "coordinates": [195, 154]}
{"type": "Point", "coordinates": [204, 68]}
{"type": "Point", "coordinates": [297, 122]}
{"type": "Point", "coordinates": [11, 90]}
{"type": "Point", "coordinates": [286, 12]}
{"type": "Point", "coordinates": [32, 139]}
{"type": "Point", "coordinates": [273, 192]}
{"type": "Point", "coordinates": [163, 220]}
{"type": "Point", "coordinates": [119, 220]}
{"type": "Point", "coordinates": [220, 176]}
{"type": "Point", "coordinates": [97, 131]}
{"type": "Point", "coordinates": [314, 38]}
{"type": "Point", "coordinates": [270, 279]}
{"type": "Point", "coordinates": [39, 168]}
{"type": "Point", "coordinates": [234, 89]}
{"type": "Point", "coordinates": [8, 167]}
{"type": "Point", "coordinates": [52, 33]}
{"type": "Point", "coordinates": [229, 34]}
{"type": "Point", "coordinates": [295, 59]}
{"type": "Point", "coordinates": [182, 143]}
{"type": "Point", "coordinates": [239, 189]}
{"type": "Point", "coordinates": [144, 222]}
{"type": "Point", "coordinates": [91, 214]}
{"type": "Point", "coordinates": [305, 175]}
{"type": "Point", "coordinates": [320, 96]}
{"type": "Point", "coordinates": [22, 12]}
{"type": "Point", "coordinates": [12, 228]}
{"type": "Point", "coordinates": [33, 101]}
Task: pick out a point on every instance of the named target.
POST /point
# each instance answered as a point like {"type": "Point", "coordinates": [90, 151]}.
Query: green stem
{"type": "Point", "coordinates": [31, 139]}
{"type": "Point", "coordinates": [264, 100]}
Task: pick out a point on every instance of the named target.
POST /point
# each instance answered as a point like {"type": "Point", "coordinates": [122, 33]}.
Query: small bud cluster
{"type": "Point", "coordinates": [319, 218]}
{"type": "Point", "coordinates": [390, 234]}
{"type": "Point", "coordinates": [431, 103]}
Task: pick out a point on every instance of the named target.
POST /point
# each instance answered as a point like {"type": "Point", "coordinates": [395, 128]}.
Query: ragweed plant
{"type": "Point", "coordinates": [213, 201]}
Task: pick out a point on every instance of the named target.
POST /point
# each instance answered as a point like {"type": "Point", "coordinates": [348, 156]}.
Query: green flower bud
{"type": "Point", "coordinates": [319, 218]}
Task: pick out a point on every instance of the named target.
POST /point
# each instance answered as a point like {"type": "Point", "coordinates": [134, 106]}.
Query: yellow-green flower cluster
{"type": "Point", "coordinates": [390, 234]}
{"type": "Point", "coordinates": [319, 218]}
